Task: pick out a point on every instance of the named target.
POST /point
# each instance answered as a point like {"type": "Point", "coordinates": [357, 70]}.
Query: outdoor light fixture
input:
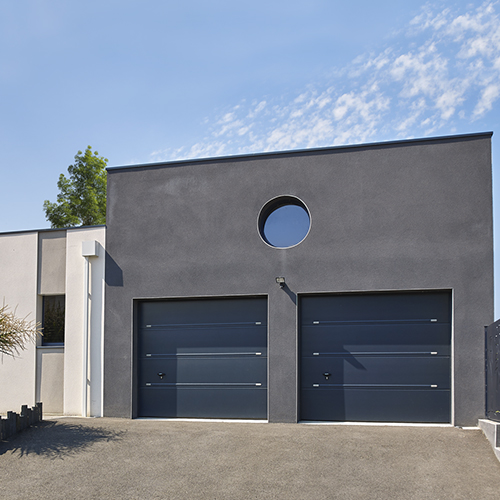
{"type": "Point", "coordinates": [281, 281]}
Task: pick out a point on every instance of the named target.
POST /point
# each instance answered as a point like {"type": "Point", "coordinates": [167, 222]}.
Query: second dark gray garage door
{"type": "Point", "coordinates": [203, 358]}
{"type": "Point", "coordinates": [376, 357]}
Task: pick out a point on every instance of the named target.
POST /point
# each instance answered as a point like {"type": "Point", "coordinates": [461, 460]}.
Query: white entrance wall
{"type": "Point", "coordinates": [18, 289]}
{"type": "Point", "coordinates": [37, 263]}
{"type": "Point", "coordinates": [74, 327]}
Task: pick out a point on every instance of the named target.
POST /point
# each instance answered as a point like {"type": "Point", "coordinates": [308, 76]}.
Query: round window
{"type": "Point", "coordinates": [284, 222]}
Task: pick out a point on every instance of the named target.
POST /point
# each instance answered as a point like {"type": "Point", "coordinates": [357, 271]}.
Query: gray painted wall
{"type": "Point", "coordinates": [394, 216]}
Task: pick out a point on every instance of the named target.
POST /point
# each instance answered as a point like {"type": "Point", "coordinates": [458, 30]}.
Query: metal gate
{"type": "Point", "coordinates": [493, 371]}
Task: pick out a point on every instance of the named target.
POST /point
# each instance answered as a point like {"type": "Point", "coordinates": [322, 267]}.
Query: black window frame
{"type": "Point", "coordinates": [56, 300]}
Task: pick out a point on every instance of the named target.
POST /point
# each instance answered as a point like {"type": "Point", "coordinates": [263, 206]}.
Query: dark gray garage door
{"type": "Point", "coordinates": [376, 357]}
{"type": "Point", "coordinates": [203, 358]}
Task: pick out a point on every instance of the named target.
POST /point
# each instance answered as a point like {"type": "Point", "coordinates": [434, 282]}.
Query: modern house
{"type": "Point", "coordinates": [334, 284]}
{"type": "Point", "coordinates": [43, 277]}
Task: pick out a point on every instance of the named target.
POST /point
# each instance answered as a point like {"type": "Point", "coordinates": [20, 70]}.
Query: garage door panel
{"type": "Point", "coordinates": [209, 311]}
{"type": "Point", "coordinates": [383, 405]}
{"type": "Point", "coordinates": [378, 338]}
{"type": "Point", "coordinates": [209, 369]}
{"type": "Point", "coordinates": [204, 402]}
{"type": "Point", "coordinates": [370, 307]}
{"type": "Point", "coordinates": [409, 371]}
{"type": "Point", "coordinates": [380, 352]}
{"type": "Point", "coordinates": [203, 358]}
{"type": "Point", "coordinates": [153, 341]}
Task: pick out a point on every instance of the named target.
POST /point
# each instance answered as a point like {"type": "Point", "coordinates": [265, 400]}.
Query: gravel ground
{"type": "Point", "coordinates": [75, 458]}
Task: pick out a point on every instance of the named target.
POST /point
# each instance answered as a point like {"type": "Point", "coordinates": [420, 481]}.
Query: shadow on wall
{"type": "Point", "coordinates": [293, 296]}
{"type": "Point", "coordinates": [54, 439]}
{"type": "Point", "coordinates": [114, 273]}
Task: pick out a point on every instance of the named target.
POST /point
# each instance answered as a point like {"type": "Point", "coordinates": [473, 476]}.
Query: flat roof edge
{"type": "Point", "coordinates": [48, 230]}
{"type": "Point", "coordinates": [212, 159]}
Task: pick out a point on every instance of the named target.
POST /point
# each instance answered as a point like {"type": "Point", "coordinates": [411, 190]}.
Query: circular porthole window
{"type": "Point", "coordinates": [284, 222]}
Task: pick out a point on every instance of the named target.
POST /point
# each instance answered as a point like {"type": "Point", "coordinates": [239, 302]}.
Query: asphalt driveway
{"type": "Point", "coordinates": [74, 458]}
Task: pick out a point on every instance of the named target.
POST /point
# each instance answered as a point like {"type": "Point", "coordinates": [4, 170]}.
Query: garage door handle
{"type": "Point", "coordinates": [326, 375]}
{"type": "Point", "coordinates": [161, 375]}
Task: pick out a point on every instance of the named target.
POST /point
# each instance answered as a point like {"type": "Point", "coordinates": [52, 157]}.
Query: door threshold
{"type": "Point", "coordinates": [377, 424]}
{"type": "Point", "coordinates": [223, 420]}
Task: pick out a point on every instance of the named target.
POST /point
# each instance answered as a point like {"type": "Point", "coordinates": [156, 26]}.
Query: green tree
{"type": "Point", "coordinates": [15, 332]}
{"type": "Point", "coordinates": [82, 197]}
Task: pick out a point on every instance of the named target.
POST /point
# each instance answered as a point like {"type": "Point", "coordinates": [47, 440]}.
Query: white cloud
{"type": "Point", "coordinates": [258, 107]}
{"type": "Point", "coordinates": [488, 96]}
{"type": "Point", "coordinates": [448, 100]}
{"type": "Point", "coordinates": [429, 19]}
{"type": "Point", "coordinates": [447, 74]}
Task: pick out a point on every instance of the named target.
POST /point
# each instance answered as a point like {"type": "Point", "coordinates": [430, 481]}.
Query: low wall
{"type": "Point", "coordinates": [15, 422]}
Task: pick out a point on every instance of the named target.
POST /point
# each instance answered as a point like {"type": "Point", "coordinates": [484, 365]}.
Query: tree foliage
{"type": "Point", "coordinates": [82, 197]}
{"type": "Point", "coordinates": [15, 332]}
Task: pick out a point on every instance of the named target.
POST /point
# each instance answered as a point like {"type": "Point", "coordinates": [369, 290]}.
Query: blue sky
{"type": "Point", "coordinates": [159, 80]}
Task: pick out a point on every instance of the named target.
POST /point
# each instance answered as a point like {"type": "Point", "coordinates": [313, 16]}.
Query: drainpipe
{"type": "Point", "coordinates": [85, 337]}
{"type": "Point", "coordinates": [89, 249]}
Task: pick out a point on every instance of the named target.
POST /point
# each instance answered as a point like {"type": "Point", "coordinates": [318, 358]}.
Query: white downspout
{"type": "Point", "coordinates": [85, 338]}
{"type": "Point", "coordinates": [89, 249]}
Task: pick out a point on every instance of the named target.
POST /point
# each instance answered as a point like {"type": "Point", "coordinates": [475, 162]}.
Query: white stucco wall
{"type": "Point", "coordinates": [51, 262]}
{"type": "Point", "coordinates": [18, 287]}
{"type": "Point", "coordinates": [74, 326]}
{"type": "Point", "coordinates": [50, 381]}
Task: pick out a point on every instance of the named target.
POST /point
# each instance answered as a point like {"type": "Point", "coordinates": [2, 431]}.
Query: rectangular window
{"type": "Point", "coordinates": [53, 320]}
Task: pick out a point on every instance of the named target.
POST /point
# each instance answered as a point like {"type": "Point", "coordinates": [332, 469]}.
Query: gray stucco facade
{"type": "Point", "coordinates": [400, 216]}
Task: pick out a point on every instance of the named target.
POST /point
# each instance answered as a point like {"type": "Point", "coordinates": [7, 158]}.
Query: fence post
{"type": "Point", "coordinates": [11, 423]}
{"type": "Point", "coordinates": [24, 417]}
{"type": "Point", "coordinates": [486, 359]}
{"type": "Point", "coordinates": [29, 417]}
{"type": "Point", "coordinates": [39, 407]}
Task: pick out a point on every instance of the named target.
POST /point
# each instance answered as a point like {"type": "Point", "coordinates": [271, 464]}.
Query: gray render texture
{"type": "Point", "coordinates": [407, 215]}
